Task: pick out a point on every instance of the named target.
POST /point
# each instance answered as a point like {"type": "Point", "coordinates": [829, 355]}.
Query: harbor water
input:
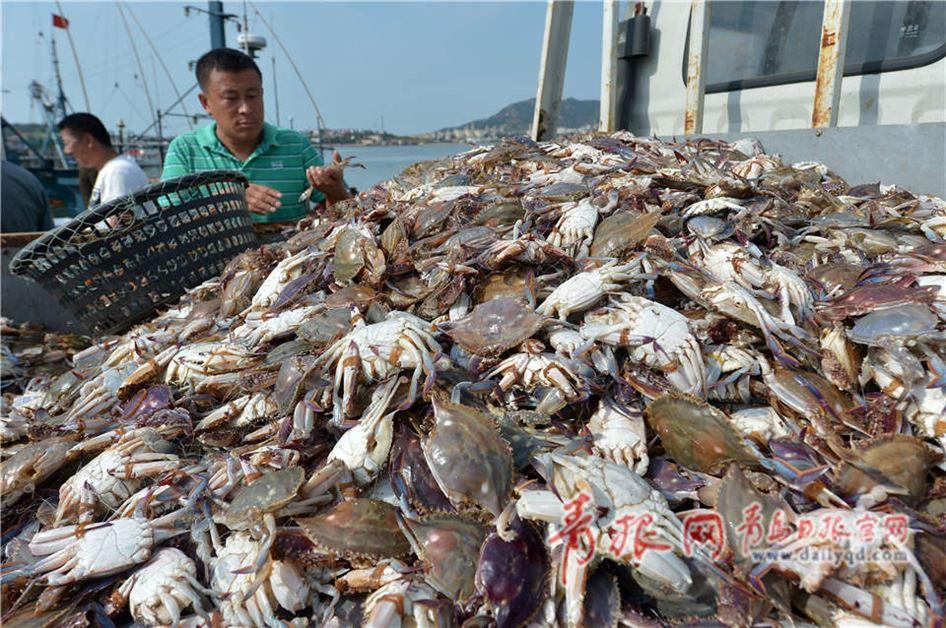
{"type": "Point", "coordinates": [380, 162]}
{"type": "Point", "coordinates": [384, 162]}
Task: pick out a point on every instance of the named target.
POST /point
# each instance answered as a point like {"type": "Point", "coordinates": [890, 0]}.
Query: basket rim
{"type": "Point", "coordinates": [20, 267]}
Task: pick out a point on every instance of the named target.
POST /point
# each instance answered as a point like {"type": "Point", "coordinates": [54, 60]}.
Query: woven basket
{"type": "Point", "coordinates": [115, 265]}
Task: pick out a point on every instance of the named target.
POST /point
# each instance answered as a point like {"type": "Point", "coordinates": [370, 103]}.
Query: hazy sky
{"type": "Point", "coordinates": [420, 65]}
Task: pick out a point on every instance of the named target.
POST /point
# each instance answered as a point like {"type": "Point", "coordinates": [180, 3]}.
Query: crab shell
{"type": "Point", "coordinates": [839, 277]}
{"type": "Point", "coordinates": [602, 603]}
{"type": "Point", "coordinates": [514, 284]}
{"type": "Point", "coordinates": [249, 599]}
{"type": "Point", "coordinates": [513, 575]}
{"type": "Point", "coordinates": [79, 552]}
{"type": "Point", "coordinates": [806, 392]}
{"type": "Point", "coordinates": [394, 240]}
{"type": "Point", "coordinates": [622, 231]}
{"type": "Point", "coordinates": [449, 547]}
{"type": "Point", "coordinates": [353, 252]}
{"type": "Point", "coordinates": [868, 298]}
{"type": "Point", "coordinates": [495, 326]}
{"type": "Point", "coordinates": [145, 402]}
{"type": "Point", "coordinates": [696, 434]}
{"type": "Point", "coordinates": [900, 459]}
{"type": "Point", "coordinates": [289, 381]}
{"type": "Point", "coordinates": [468, 458]}
{"type": "Point", "coordinates": [736, 494]}
{"type": "Point", "coordinates": [357, 295]}
{"type": "Point", "coordinates": [411, 478]}
{"type": "Point", "coordinates": [324, 328]}
{"type": "Point", "coordinates": [266, 494]}
{"type": "Point", "coordinates": [358, 530]}
{"type": "Point", "coordinates": [31, 466]}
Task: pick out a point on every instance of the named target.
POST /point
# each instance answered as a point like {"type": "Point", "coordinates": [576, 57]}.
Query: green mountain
{"type": "Point", "coordinates": [516, 118]}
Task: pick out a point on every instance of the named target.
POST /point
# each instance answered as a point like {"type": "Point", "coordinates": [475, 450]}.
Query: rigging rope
{"type": "Point", "coordinates": [318, 114]}
{"type": "Point", "coordinates": [134, 49]}
{"type": "Point", "coordinates": [163, 67]}
{"type": "Point", "coordinates": [75, 56]}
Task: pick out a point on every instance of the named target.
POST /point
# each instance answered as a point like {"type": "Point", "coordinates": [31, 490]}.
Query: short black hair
{"type": "Point", "coordinates": [224, 60]}
{"type": "Point", "coordinates": [81, 123]}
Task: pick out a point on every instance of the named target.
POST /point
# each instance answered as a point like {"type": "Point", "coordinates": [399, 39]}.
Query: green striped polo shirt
{"type": "Point", "coordinates": [280, 162]}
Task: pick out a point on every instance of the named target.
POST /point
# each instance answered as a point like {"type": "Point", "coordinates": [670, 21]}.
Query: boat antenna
{"type": "Point", "coordinates": [164, 67]}
{"type": "Point", "coordinates": [141, 70]}
{"type": "Point", "coordinates": [75, 57]}
{"type": "Point", "coordinates": [318, 114]}
{"type": "Point", "coordinates": [214, 10]}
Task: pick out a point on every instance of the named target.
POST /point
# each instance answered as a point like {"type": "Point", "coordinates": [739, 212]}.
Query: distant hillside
{"type": "Point", "coordinates": [516, 118]}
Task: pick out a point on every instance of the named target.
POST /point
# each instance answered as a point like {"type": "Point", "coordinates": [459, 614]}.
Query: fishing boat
{"type": "Point", "coordinates": [55, 170]}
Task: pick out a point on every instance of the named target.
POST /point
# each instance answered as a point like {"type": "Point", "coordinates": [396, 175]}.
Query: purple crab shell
{"type": "Point", "coordinates": [513, 575]}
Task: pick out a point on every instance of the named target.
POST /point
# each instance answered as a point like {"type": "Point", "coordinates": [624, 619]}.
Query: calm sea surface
{"type": "Point", "coordinates": [383, 162]}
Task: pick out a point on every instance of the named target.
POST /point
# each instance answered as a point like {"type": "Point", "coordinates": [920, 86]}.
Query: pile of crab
{"type": "Point", "coordinates": [27, 351]}
{"type": "Point", "coordinates": [609, 380]}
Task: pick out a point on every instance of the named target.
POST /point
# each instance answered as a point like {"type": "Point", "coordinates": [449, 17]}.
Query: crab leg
{"type": "Point", "coordinates": [350, 364]}
{"type": "Point", "coordinates": [56, 562]}
{"type": "Point", "coordinates": [173, 609]}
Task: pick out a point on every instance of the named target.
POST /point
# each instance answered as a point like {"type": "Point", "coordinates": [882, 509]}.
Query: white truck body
{"type": "Point", "coordinates": [760, 82]}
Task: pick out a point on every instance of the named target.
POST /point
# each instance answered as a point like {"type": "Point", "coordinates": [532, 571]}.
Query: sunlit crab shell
{"type": "Point", "coordinates": [696, 434]}
{"type": "Point", "coordinates": [266, 494]}
{"type": "Point", "coordinates": [710, 228]}
{"type": "Point", "coordinates": [736, 494]}
{"type": "Point", "coordinates": [835, 278]}
{"type": "Point", "coordinates": [807, 393]}
{"type": "Point", "coordinates": [449, 548]}
{"type": "Point", "coordinates": [470, 461]}
{"type": "Point", "coordinates": [621, 232]}
{"type": "Point", "coordinates": [873, 297]}
{"type": "Point", "coordinates": [357, 530]}
{"type": "Point", "coordinates": [494, 326]}
{"type": "Point", "coordinates": [354, 252]}
{"type": "Point", "coordinates": [502, 214]}
{"type": "Point", "coordinates": [326, 327]}
{"type": "Point", "coordinates": [902, 323]}
{"type": "Point", "coordinates": [32, 465]}
{"type": "Point", "coordinates": [897, 459]}
{"type": "Point", "coordinates": [394, 240]}
{"type": "Point", "coordinates": [358, 296]}
{"type": "Point", "coordinates": [514, 283]}
{"type": "Point", "coordinates": [290, 381]}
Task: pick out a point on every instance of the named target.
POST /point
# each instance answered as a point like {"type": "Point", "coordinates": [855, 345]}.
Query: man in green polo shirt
{"type": "Point", "coordinates": [279, 163]}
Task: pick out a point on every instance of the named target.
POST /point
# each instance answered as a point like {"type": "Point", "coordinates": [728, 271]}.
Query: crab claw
{"type": "Point", "coordinates": [667, 569]}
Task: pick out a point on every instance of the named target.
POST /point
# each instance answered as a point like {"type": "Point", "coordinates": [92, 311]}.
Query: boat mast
{"type": "Point", "coordinates": [53, 110]}
{"type": "Point", "coordinates": [61, 97]}
{"type": "Point", "coordinates": [218, 36]}
{"type": "Point", "coordinates": [275, 91]}
{"type": "Point", "coordinates": [75, 57]}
